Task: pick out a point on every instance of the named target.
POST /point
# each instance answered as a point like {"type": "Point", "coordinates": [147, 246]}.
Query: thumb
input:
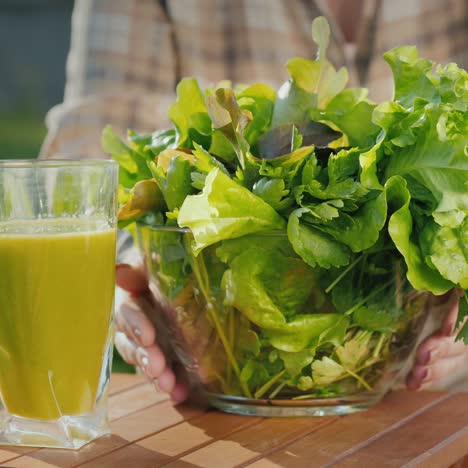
{"type": "Point", "coordinates": [132, 279]}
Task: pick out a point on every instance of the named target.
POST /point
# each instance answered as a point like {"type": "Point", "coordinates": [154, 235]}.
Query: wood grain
{"type": "Point", "coordinates": [125, 431]}
{"type": "Point", "coordinates": [440, 430]}
{"type": "Point", "coordinates": [406, 429]}
{"type": "Point", "coordinates": [252, 442]}
{"type": "Point", "coordinates": [120, 382]}
{"type": "Point", "coordinates": [348, 433]}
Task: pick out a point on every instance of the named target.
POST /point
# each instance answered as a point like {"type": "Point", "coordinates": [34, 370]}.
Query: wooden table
{"type": "Point", "coordinates": [407, 429]}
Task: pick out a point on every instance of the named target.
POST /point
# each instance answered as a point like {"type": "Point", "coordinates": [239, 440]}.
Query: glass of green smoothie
{"type": "Point", "coordinates": [57, 267]}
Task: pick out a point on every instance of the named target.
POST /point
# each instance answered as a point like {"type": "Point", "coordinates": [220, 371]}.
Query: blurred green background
{"type": "Point", "coordinates": [34, 43]}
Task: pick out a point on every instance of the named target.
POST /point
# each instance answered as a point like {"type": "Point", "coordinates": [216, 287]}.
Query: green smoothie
{"type": "Point", "coordinates": [56, 295]}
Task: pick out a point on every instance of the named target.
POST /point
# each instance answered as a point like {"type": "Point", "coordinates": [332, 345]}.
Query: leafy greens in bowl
{"type": "Point", "coordinates": [302, 229]}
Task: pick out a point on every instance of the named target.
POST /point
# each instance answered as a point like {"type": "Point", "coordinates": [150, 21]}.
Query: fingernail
{"type": "Point", "coordinates": [137, 335]}
{"type": "Point", "coordinates": [142, 358]}
{"type": "Point", "coordinates": [420, 373]}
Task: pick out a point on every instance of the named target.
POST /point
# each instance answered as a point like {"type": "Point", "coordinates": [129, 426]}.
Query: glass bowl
{"type": "Point", "coordinates": [262, 333]}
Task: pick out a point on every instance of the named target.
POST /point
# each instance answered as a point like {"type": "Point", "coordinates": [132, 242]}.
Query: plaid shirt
{"type": "Point", "coordinates": [127, 55]}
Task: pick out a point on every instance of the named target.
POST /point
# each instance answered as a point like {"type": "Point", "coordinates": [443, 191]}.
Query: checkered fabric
{"type": "Point", "coordinates": [126, 56]}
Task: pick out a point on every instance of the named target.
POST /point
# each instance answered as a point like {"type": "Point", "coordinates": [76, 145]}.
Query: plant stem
{"type": "Point", "coordinates": [199, 269]}
{"type": "Point", "coordinates": [378, 347]}
{"type": "Point", "coordinates": [370, 296]}
{"type": "Point", "coordinates": [264, 388]}
{"type": "Point", "coordinates": [230, 326]}
{"type": "Point", "coordinates": [277, 389]}
{"type": "Point", "coordinates": [359, 379]}
{"type": "Point", "coordinates": [361, 272]}
{"type": "Point", "coordinates": [343, 274]}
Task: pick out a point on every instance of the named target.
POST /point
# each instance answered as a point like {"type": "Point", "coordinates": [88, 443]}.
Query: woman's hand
{"type": "Point", "coordinates": [136, 337]}
{"type": "Point", "coordinates": [440, 360]}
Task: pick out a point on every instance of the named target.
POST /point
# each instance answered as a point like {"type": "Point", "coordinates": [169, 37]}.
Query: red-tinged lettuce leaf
{"type": "Point", "coordinates": [281, 140]}
{"type": "Point", "coordinates": [227, 116]}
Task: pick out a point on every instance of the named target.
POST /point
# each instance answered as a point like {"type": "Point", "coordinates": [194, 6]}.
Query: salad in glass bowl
{"type": "Point", "coordinates": [294, 237]}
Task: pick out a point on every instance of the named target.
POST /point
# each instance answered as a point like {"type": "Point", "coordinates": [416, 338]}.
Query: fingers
{"type": "Point", "coordinates": [180, 392]}
{"type": "Point", "coordinates": [440, 360]}
{"type": "Point", "coordinates": [126, 347]}
{"type": "Point", "coordinates": [136, 335]}
{"type": "Point", "coordinates": [152, 362]}
{"type": "Point", "coordinates": [166, 381]}
{"type": "Point", "coordinates": [131, 279]}
{"type": "Point", "coordinates": [131, 319]}
{"type": "Point", "coordinates": [439, 375]}
{"type": "Point", "coordinates": [150, 359]}
{"type": "Point", "coordinates": [438, 347]}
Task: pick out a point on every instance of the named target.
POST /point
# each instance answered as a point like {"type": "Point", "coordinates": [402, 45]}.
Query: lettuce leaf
{"type": "Point", "coordinates": [314, 247]}
{"type": "Point", "coordinates": [225, 210]}
{"type": "Point", "coordinates": [400, 228]}
{"type": "Point", "coordinates": [189, 114]}
{"type": "Point", "coordinates": [267, 286]}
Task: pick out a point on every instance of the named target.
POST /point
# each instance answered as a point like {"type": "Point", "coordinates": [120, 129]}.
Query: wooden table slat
{"type": "Point", "coordinates": [121, 382]}
{"type": "Point", "coordinates": [252, 442]}
{"type": "Point", "coordinates": [428, 431]}
{"type": "Point", "coordinates": [416, 429]}
{"type": "Point", "coordinates": [332, 442]}
{"type": "Point", "coordinates": [130, 397]}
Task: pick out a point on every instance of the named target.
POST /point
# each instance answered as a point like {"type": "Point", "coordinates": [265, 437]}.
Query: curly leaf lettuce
{"type": "Point", "coordinates": [400, 228]}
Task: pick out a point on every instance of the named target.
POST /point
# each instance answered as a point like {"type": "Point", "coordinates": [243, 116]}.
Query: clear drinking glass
{"type": "Point", "coordinates": [57, 267]}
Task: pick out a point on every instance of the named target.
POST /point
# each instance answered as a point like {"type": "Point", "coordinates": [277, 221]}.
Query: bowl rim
{"type": "Point", "coordinates": [186, 230]}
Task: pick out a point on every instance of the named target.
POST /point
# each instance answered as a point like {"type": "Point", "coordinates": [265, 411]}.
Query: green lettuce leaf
{"type": "Point", "coordinates": [446, 248]}
{"type": "Point", "coordinates": [313, 82]}
{"type": "Point", "coordinates": [132, 165]}
{"type": "Point", "coordinates": [437, 159]}
{"type": "Point", "coordinates": [301, 332]}
{"type": "Point", "coordinates": [400, 228]}
{"type": "Point", "coordinates": [313, 246]}
{"type": "Point", "coordinates": [351, 113]}
{"type": "Point", "coordinates": [360, 230]}
{"type": "Point", "coordinates": [225, 210]}
{"type": "Point", "coordinates": [176, 182]}
{"type": "Point", "coordinates": [410, 75]}
{"type": "Point", "coordinates": [295, 362]}
{"type": "Point", "coordinates": [189, 114]}
{"type": "Point", "coordinates": [258, 99]}
{"type": "Point", "coordinates": [265, 285]}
